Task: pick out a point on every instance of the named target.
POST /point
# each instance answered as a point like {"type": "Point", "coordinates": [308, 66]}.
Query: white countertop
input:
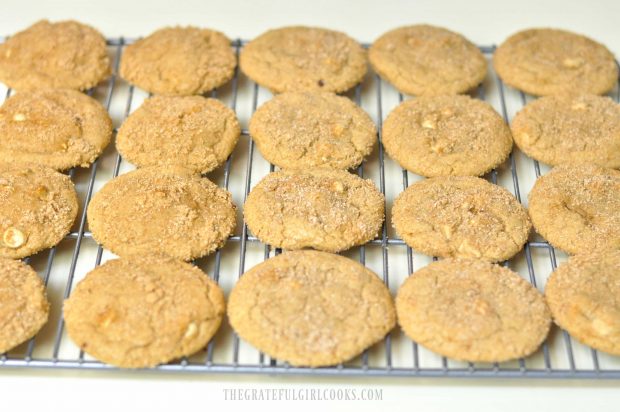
{"type": "Point", "coordinates": [482, 21]}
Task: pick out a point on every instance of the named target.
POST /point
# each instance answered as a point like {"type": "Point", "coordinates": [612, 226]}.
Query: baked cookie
{"type": "Point", "coordinates": [23, 305]}
{"type": "Point", "coordinates": [424, 60]}
{"type": "Point", "coordinates": [191, 131]}
{"type": "Point", "coordinates": [311, 308]}
{"type": "Point", "coordinates": [570, 129]}
{"type": "Point", "coordinates": [141, 311]}
{"type": "Point", "coordinates": [304, 59]}
{"type": "Point", "coordinates": [324, 209]}
{"type": "Point", "coordinates": [577, 208]}
{"type": "Point", "coordinates": [62, 55]}
{"type": "Point", "coordinates": [60, 129]}
{"type": "Point", "coordinates": [304, 130]}
{"type": "Point", "coordinates": [179, 61]}
{"type": "Point", "coordinates": [446, 135]}
{"type": "Point", "coordinates": [461, 216]}
{"type": "Point", "coordinates": [584, 297]}
{"type": "Point", "coordinates": [550, 61]}
{"type": "Point", "coordinates": [167, 210]}
{"type": "Point", "coordinates": [471, 310]}
{"type": "Point", "coordinates": [37, 209]}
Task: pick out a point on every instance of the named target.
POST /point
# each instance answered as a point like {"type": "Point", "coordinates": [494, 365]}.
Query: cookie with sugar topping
{"type": "Point", "coordinates": [324, 209]}
{"type": "Point", "coordinates": [167, 210]}
{"type": "Point", "coordinates": [311, 308]}
{"type": "Point", "coordinates": [471, 310]}
{"type": "Point", "coordinates": [446, 136]}
{"type": "Point", "coordinates": [563, 129]}
{"type": "Point", "coordinates": [302, 58]}
{"type": "Point", "coordinates": [461, 216]}
{"type": "Point", "coordinates": [583, 297]}
{"type": "Point", "coordinates": [142, 311]}
{"type": "Point", "coordinates": [301, 130]}
{"type": "Point", "coordinates": [424, 60]}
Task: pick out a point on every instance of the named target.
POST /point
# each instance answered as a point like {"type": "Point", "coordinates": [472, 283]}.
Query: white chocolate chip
{"type": "Point", "coordinates": [191, 331]}
{"type": "Point", "coordinates": [573, 63]}
{"type": "Point", "coordinates": [19, 117]}
{"type": "Point", "coordinates": [13, 238]}
{"type": "Point", "coordinates": [468, 249]}
{"type": "Point", "coordinates": [428, 124]}
{"type": "Point", "coordinates": [338, 186]}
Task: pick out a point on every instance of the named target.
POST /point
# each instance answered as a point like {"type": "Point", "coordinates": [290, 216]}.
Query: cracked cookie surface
{"type": "Point", "coordinates": [60, 129]}
{"type": "Point", "coordinates": [37, 209]}
{"type": "Point", "coordinates": [461, 216]}
{"type": "Point", "coordinates": [446, 135]}
{"type": "Point", "coordinates": [551, 61]}
{"type": "Point", "coordinates": [179, 61]}
{"type": "Point", "coordinates": [139, 312]}
{"type": "Point", "coordinates": [60, 55]}
{"type": "Point", "coordinates": [570, 129]}
{"type": "Point", "coordinates": [168, 210]}
{"type": "Point", "coordinates": [577, 208]}
{"type": "Point", "coordinates": [425, 60]}
{"type": "Point", "coordinates": [190, 131]}
{"type": "Point", "coordinates": [304, 59]}
{"type": "Point", "coordinates": [24, 306]}
{"type": "Point", "coordinates": [584, 297]}
{"type": "Point", "coordinates": [330, 210]}
{"type": "Point", "coordinates": [299, 130]}
{"type": "Point", "coordinates": [471, 310]}
{"type": "Point", "coordinates": [311, 308]}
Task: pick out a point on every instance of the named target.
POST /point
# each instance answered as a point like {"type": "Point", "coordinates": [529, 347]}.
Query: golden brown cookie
{"type": "Point", "coordinates": [301, 130]}
{"type": "Point", "coordinates": [304, 59]}
{"type": "Point", "coordinates": [140, 311]}
{"type": "Point", "coordinates": [167, 210]}
{"type": "Point", "coordinates": [37, 209]}
{"type": "Point", "coordinates": [550, 61]}
{"type": "Point", "coordinates": [311, 308]}
{"type": "Point", "coordinates": [461, 216]}
{"type": "Point", "coordinates": [179, 61]}
{"type": "Point", "coordinates": [60, 129]}
{"type": "Point", "coordinates": [66, 54]}
{"type": "Point", "coordinates": [191, 131]}
{"type": "Point", "coordinates": [577, 208]}
{"type": "Point", "coordinates": [570, 129]}
{"type": "Point", "coordinates": [424, 60]}
{"type": "Point", "coordinates": [471, 310]}
{"type": "Point", "coordinates": [446, 135]}
{"type": "Point", "coordinates": [584, 297]}
{"type": "Point", "coordinates": [23, 305]}
{"type": "Point", "coordinates": [324, 209]}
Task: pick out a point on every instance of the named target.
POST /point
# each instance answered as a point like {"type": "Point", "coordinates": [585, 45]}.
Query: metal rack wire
{"type": "Point", "coordinates": [62, 266]}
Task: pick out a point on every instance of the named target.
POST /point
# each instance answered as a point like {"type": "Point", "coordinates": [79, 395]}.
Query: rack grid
{"type": "Point", "coordinates": [64, 265]}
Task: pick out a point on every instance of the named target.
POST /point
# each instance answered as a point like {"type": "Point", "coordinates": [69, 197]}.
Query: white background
{"type": "Point", "coordinates": [484, 22]}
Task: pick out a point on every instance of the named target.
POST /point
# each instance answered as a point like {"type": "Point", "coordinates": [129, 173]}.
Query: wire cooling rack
{"type": "Point", "coordinates": [64, 265]}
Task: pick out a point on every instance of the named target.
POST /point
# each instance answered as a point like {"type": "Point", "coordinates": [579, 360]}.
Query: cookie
{"type": "Point", "coordinates": [304, 130]}
{"type": "Point", "coordinates": [311, 308]}
{"type": "Point", "coordinates": [37, 209]}
{"type": "Point", "coordinates": [471, 310]}
{"type": "Point", "coordinates": [304, 59]}
{"type": "Point", "coordinates": [330, 210]}
{"type": "Point", "coordinates": [446, 135]}
{"type": "Point", "coordinates": [163, 210]}
{"type": "Point", "coordinates": [583, 295]}
{"type": "Point", "coordinates": [141, 311]}
{"type": "Point", "coordinates": [23, 305]}
{"type": "Point", "coordinates": [570, 129]}
{"type": "Point", "coordinates": [424, 60]}
{"type": "Point", "coordinates": [179, 61]}
{"type": "Point", "coordinates": [577, 208]}
{"type": "Point", "coordinates": [60, 129]}
{"type": "Point", "coordinates": [550, 61]}
{"type": "Point", "coordinates": [62, 55]}
{"type": "Point", "coordinates": [461, 216]}
{"type": "Point", "coordinates": [191, 131]}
